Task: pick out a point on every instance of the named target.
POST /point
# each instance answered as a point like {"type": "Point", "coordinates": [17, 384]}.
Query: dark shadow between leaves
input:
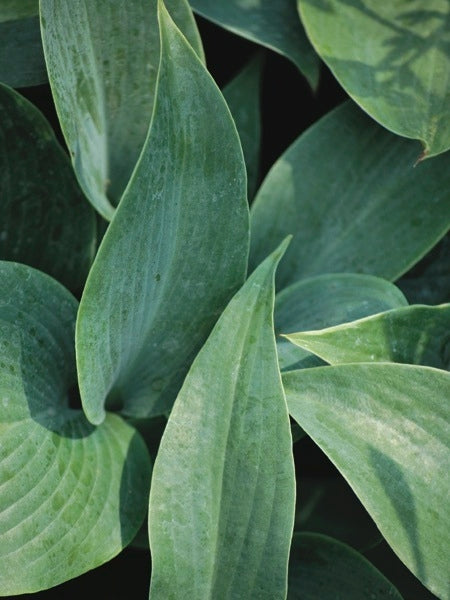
{"type": "Point", "coordinates": [399, 494]}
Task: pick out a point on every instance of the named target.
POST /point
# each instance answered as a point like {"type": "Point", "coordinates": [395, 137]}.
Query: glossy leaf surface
{"type": "Point", "coordinates": [345, 189]}
{"type": "Point", "coordinates": [272, 24]}
{"type": "Point", "coordinates": [175, 252]}
{"type": "Point", "coordinates": [71, 495]}
{"type": "Point", "coordinates": [393, 58]}
{"type": "Point", "coordinates": [322, 567]}
{"type": "Point", "coordinates": [102, 57]}
{"type": "Point", "coordinates": [45, 219]}
{"type": "Point", "coordinates": [222, 497]}
{"type": "Point", "coordinates": [414, 334]}
{"type": "Point", "coordinates": [242, 94]}
{"type": "Point", "coordinates": [385, 427]}
{"type": "Point", "coordinates": [324, 301]}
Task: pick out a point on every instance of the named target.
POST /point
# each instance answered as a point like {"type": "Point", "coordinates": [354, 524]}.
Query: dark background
{"type": "Point", "coordinates": [288, 107]}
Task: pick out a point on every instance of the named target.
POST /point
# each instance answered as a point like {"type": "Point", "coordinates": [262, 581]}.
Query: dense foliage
{"type": "Point", "coordinates": [179, 336]}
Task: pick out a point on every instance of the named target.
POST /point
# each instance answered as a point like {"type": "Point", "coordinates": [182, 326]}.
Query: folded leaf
{"type": "Point", "coordinates": [71, 495]}
{"type": "Point", "coordinates": [272, 24]}
{"type": "Point", "coordinates": [324, 301]}
{"type": "Point", "coordinates": [348, 192]}
{"type": "Point", "coordinates": [393, 58]}
{"type": "Point", "coordinates": [45, 219]}
{"type": "Point", "coordinates": [243, 98]}
{"type": "Point", "coordinates": [413, 334]}
{"type": "Point", "coordinates": [222, 500]}
{"type": "Point", "coordinates": [385, 427]}
{"type": "Point", "coordinates": [102, 59]}
{"type": "Point", "coordinates": [322, 567]}
{"type": "Point", "coordinates": [175, 252]}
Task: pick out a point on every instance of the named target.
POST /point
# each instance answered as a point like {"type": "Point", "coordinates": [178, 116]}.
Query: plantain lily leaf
{"type": "Point", "coordinates": [21, 58]}
{"type": "Point", "coordinates": [222, 496]}
{"type": "Point", "coordinates": [385, 427]}
{"type": "Point", "coordinates": [392, 58]}
{"type": "Point", "coordinates": [102, 58]}
{"type": "Point", "coordinates": [324, 301]}
{"type": "Point", "coordinates": [415, 335]}
{"type": "Point", "coordinates": [71, 495]}
{"type": "Point", "coordinates": [45, 220]}
{"type": "Point", "coordinates": [348, 192]}
{"type": "Point", "coordinates": [431, 285]}
{"type": "Point", "coordinates": [272, 24]}
{"type": "Point", "coordinates": [243, 98]}
{"type": "Point", "coordinates": [175, 252]}
{"type": "Point", "coordinates": [322, 567]}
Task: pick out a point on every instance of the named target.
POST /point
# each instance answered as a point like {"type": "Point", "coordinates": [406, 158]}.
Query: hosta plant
{"type": "Point", "coordinates": [183, 328]}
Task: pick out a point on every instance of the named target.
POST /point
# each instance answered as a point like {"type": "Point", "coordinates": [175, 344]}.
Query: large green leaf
{"type": "Point", "coordinates": [273, 24]}
{"type": "Point", "coordinates": [323, 568]}
{"type": "Point", "coordinates": [414, 334]}
{"type": "Point", "coordinates": [324, 301]}
{"type": "Point", "coordinates": [243, 98]}
{"type": "Point", "coordinates": [71, 495]}
{"type": "Point", "coordinates": [385, 426]}
{"type": "Point", "coordinates": [45, 220]}
{"type": "Point", "coordinates": [175, 252]}
{"type": "Point", "coordinates": [222, 495]}
{"type": "Point", "coordinates": [393, 58]}
{"type": "Point", "coordinates": [348, 192]}
{"type": "Point", "coordinates": [102, 57]}
{"type": "Point", "coordinates": [21, 58]}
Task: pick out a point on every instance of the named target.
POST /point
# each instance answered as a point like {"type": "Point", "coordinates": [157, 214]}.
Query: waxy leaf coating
{"type": "Point", "coordinates": [348, 192]}
{"type": "Point", "coordinates": [175, 252]}
{"type": "Point", "coordinates": [222, 496]}
{"type": "Point", "coordinates": [71, 495]}
{"type": "Point", "coordinates": [393, 58]}
{"type": "Point", "coordinates": [413, 334]}
{"type": "Point", "coordinates": [102, 58]}
{"type": "Point", "coordinates": [385, 427]}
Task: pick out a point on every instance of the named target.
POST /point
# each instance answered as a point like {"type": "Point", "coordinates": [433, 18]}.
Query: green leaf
{"type": "Point", "coordinates": [429, 283]}
{"type": "Point", "coordinates": [45, 220]}
{"type": "Point", "coordinates": [324, 301]}
{"type": "Point", "coordinates": [322, 567]}
{"type": "Point", "coordinates": [392, 58]}
{"type": "Point", "coordinates": [385, 427]}
{"type": "Point", "coordinates": [273, 24]}
{"type": "Point", "coordinates": [413, 334]}
{"type": "Point", "coordinates": [102, 59]}
{"type": "Point", "coordinates": [348, 192]}
{"type": "Point", "coordinates": [222, 497]}
{"type": "Point", "coordinates": [21, 57]}
{"type": "Point", "coordinates": [71, 495]}
{"type": "Point", "coordinates": [175, 252]}
{"type": "Point", "coordinates": [243, 98]}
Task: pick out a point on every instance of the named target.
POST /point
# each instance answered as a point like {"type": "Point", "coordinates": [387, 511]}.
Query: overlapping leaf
{"type": "Point", "coordinates": [322, 567]}
{"type": "Point", "coordinates": [222, 496]}
{"type": "Point", "coordinates": [243, 98]}
{"type": "Point", "coordinates": [272, 24]}
{"type": "Point", "coordinates": [45, 220]}
{"type": "Point", "coordinates": [71, 495]}
{"type": "Point", "coordinates": [102, 57]}
{"type": "Point", "coordinates": [414, 334]}
{"type": "Point", "coordinates": [385, 426]}
{"type": "Point", "coordinates": [175, 251]}
{"type": "Point", "coordinates": [348, 192]}
{"type": "Point", "coordinates": [393, 58]}
{"type": "Point", "coordinates": [21, 58]}
{"type": "Point", "coordinates": [324, 301]}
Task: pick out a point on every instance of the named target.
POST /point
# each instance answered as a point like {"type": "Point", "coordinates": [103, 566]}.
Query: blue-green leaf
{"type": "Point", "coordinates": [222, 497]}
{"type": "Point", "coordinates": [175, 252]}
